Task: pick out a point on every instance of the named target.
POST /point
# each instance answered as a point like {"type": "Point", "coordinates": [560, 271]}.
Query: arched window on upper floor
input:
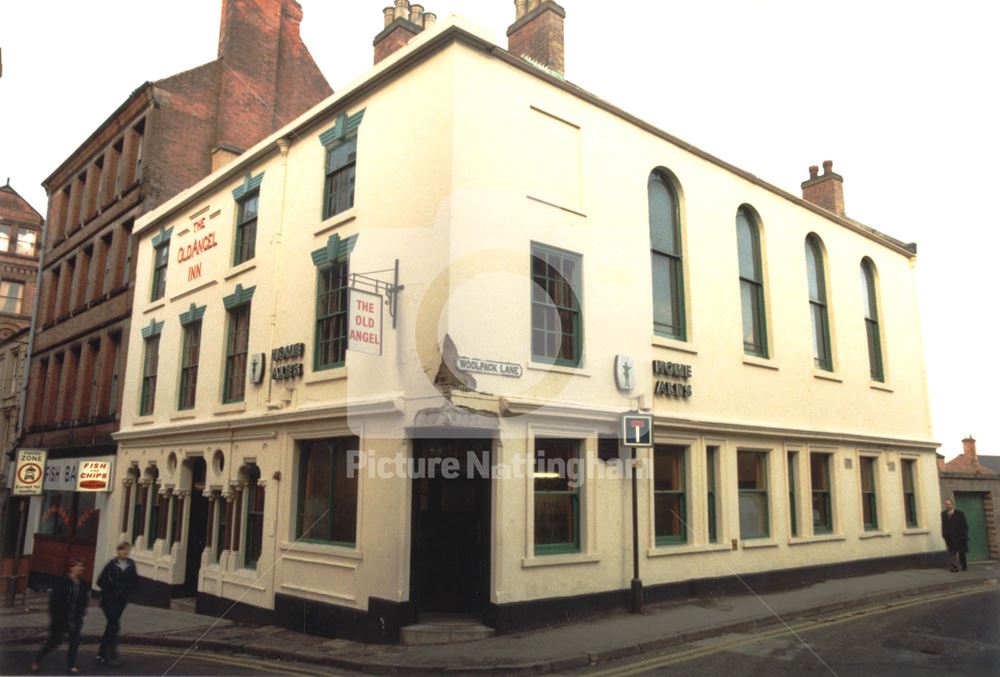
{"type": "Point", "coordinates": [667, 258]}
{"type": "Point", "coordinates": [751, 284]}
{"type": "Point", "coordinates": [875, 364]}
{"type": "Point", "coordinates": [822, 354]}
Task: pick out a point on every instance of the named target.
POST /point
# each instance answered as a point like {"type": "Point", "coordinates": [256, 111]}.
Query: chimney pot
{"type": "Point", "coordinates": [521, 8]}
{"type": "Point", "coordinates": [417, 14]}
{"type": "Point", "coordinates": [402, 9]}
{"type": "Point", "coordinates": [813, 171]}
{"type": "Point", "coordinates": [429, 19]}
{"type": "Point", "coordinates": [827, 166]}
{"type": "Point", "coordinates": [389, 13]}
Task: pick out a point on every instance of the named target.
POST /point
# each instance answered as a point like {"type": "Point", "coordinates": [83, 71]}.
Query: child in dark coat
{"type": "Point", "coordinates": [67, 607]}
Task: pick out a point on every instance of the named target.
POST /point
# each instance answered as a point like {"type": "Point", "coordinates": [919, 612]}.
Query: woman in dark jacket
{"type": "Point", "coordinates": [116, 581]}
{"type": "Point", "coordinates": [67, 607]}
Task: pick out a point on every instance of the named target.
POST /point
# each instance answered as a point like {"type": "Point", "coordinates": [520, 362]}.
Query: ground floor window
{"type": "Point", "coordinates": [711, 466]}
{"type": "Point", "coordinates": [557, 478]}
{"type": "Point", "coordinates": [70, 515]}
{"type": "Point", "coordinates": [909, 492]}
{"type": "Point", "coordinates": [819, 476]}
{"type": "Point", "coordinates": [670, 499]}
{"type": "Point", "coordinates": [869, 500]}
{"type": "Point", "coordinates": [752, 479]}
{"type": "Point", "coordinates": [793, 480]}
{"type": "Point", "coordinates": [255, 518]}
{"type": "Point", "coordinates": [328, 492]}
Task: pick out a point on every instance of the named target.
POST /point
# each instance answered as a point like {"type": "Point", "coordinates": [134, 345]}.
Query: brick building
{"type": "Point", "coordinates": [165, 136]}
{"type": "Point", "coordinates": [975, 488]}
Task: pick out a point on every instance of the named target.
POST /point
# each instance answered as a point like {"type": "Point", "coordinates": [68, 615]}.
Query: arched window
{"type": "Point", "coordinates": [817, 304]}
{"type": "Point", "coordinates": [871, 320]}
{"type": "Point", "coordinates": [668, 274]}
{"type": "Point", "coordinates": [751, 284]}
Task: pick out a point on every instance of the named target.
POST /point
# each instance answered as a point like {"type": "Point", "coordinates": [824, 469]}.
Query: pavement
{"type": "Point", "coordinates": [548, 650]}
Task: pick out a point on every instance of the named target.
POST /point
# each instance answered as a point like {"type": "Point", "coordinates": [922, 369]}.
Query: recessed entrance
{"type": "Point", "coordinates": [197, 525]}
{"type": "Point", "coordinates": [450, 530]}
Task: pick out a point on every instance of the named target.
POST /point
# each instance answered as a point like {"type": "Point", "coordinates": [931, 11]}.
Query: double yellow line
{"type": "Point", "coordinates": [700, 652]}
{"type": "Point", "coordinates": [269, 667]}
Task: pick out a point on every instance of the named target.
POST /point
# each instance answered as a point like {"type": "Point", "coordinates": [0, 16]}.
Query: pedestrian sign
{"type": "Point", "coordinates": [29, 473]}
{"type": "Point", "coordinates": [637, 430]}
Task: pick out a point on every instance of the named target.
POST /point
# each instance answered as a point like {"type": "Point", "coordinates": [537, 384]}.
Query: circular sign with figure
{"type": "Point", "coordinates": [29, 473]}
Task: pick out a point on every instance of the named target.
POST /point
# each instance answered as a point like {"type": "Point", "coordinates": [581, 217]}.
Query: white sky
{"type": "Point", "coordinates": [901, 94]}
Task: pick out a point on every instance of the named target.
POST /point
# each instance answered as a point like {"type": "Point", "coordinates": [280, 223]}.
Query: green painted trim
{"type": "Point", "coordinates": [192, 314]}
{"type": "Point", "coordinates": [163, 236]}
{"type": "Point", "coordinates": [557, 549]}
{"type": "Point", "coordinates": [344, 125]}
{"type": "Point", "coordinates": [336, 248]}
{"type": "Point", "coordinates": [238, 297]}
{"type": "Point", "coordinates": [153, 329]}
{"type": "Point", "coordinates": [249, 183]}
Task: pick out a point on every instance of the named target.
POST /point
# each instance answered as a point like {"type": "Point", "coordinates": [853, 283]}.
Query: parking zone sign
{"type": "Point", "coordinates": [30, 472]}
{"type": "Point", "coordinates": [637, 430]}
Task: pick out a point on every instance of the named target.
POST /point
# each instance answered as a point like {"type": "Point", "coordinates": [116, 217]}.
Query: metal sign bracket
{"type": "Point", "coordinates": [369, 282]}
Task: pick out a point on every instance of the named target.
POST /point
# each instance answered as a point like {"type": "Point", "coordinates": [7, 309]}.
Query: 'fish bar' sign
{"type": "Point", "coordinates": [364, 322]}
{"type": "Point", "coordinates": [94, 476]}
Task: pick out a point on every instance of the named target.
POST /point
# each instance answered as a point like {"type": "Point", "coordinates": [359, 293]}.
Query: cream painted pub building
{"type": "Point", "coordinates": [515, 264]}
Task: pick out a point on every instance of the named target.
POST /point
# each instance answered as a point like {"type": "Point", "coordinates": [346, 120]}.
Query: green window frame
{"type": "Point", "coordinates": [556, 495]}
{"type": "Point", "coordinates": [751, 284]}
{"type": "Point", "coordinates": [331, 315]}
{"type": "Point", "coordinates": [237, 345]}
{"type": "Point", "coordinates": [711, 465]}
{"type": "Point", "coordinates": [869, 495]}
{"type": "Point", "coordinates": [751, 470]}
{"type": "Point", "coordinates": [340, 170]}
{"type": "Point", "coordinates": [152, 526]}
{"type": "Point", "coordinates": [161, 256]}
{"type": "Point", "coordinates": [172, 506]}
{"type": "Point", "coordinates": [327, 508]}
{"type": "Point", "coordinates": [190, 355]}
{"type": "Point", "coordinates": [246, 227]}
{"type": "Point", "coordinates": [150, 365]}
{"type": "Point", "coordinates": [793, 501]}
{"type": "Point", "coordinates": [253, 545]}
{"type": "Point", "coordinates": [872, 330]}
{"type": "Point", "coordinates": [820, 486]}
{"type": "Point", "coordinates": [666, 252]}
{"type": "Point", "coordinates": [139, 510]}
{"type": "Point", "coordinates": [818, 311]}
{"type": "Point", "coordinates": [909, 493]}
{"type": "Point", "coordinates": [669, 494]}
{"type": "Point", "coordinates": [556, 309]}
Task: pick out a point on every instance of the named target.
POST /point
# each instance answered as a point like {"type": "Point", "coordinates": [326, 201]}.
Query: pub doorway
{"type": "Point", "coordinates": [197, 528]}
{"type": "Point", "coordinates": [450, 529]}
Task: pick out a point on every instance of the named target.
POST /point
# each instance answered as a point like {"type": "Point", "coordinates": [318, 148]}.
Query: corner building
{"type": "Point", "coordinates": [534, 242]}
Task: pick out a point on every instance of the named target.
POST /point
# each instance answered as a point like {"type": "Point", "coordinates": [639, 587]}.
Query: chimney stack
{"type": "Point", "coordinates": [969, 448]}
{"type": "Point", "coordinates": [826, 191]}
{"type": "Point", "coordinates": [403, 22]}
{"type": "Point", "coordinates": [537, 33]}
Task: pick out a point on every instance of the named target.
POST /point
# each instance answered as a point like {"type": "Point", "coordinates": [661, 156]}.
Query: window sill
{"type": "Point", "coordinates": [674, 344]}
{"type": "Point", "coordinates": [916, 531]}
{"type": "Point", "coordinates": [668, 550]}
{"type": "Point", "coordinates": [763, 362]}
{"type": "Point", "coordinates": [321, 549]}
{"type": "Point", "coordinates": [325, 376]}
{"type": "Point", "coordinates": [874, 534]}
{"type": "Point", "coordinates": [231, 408]}
{"type": "Point", "coordinates": [827, 376]}
{"type": "Point", "coordinates": [751, 543]}
{"type": "Point", "coordinates": [875, 385]}
{"type": "Point", "coordinates": [144, 420]}
{"type": "Point", "coordinates": [156, 306]}
{"type": "Point", "coordinates": [558, 369]}
{"type": "Point", "coordinates": [824, 538]}
{"type": "Point", "coordinates": [336, 221]}
{"type": "Point", "coordinates": [559, 560]}
{"type": "Point", "coordinates": [239, 269]}
{"type": "Point", "coordinates": [182, 415]}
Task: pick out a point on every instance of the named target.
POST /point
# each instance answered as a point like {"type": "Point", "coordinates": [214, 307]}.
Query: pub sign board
{"type": "Point", "coordinates": [364, 322]}
{"type": "Point", "coordinates": [29, 473]}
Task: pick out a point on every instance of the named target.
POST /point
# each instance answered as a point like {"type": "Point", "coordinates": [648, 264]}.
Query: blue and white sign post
{"type": "Point", "coordinates": [637, 433]}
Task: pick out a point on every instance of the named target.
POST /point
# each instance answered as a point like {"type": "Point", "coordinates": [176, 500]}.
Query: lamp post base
{"type": "Point", "coordinates": [635, 597]}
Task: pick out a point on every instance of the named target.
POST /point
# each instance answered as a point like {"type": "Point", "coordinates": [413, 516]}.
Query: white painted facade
{"type": "Point", "coordinates": [464, 159]}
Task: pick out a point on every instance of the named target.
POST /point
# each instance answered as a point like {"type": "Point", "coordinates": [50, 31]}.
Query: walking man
{"type": "Point", "coordinates": [117, 581]}
{"type": "Point", "coordinates": [955, 530]}
{"type": "Point", "coordinates": [67, 607]}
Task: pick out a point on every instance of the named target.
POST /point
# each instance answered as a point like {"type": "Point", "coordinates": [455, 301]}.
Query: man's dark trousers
{"type": "Point", "coordinates": [113, 607]}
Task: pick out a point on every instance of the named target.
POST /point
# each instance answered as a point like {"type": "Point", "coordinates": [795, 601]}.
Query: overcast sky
{"type": "Point", "coordinates": [901, 95]}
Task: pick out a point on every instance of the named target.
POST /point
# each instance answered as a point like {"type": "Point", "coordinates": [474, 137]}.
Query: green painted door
{"type": "Point", "coordinates": [972, 505]}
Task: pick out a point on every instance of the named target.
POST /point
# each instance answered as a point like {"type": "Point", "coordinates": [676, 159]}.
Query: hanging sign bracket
{"type": "Point", "coordinates": [369, 282]}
